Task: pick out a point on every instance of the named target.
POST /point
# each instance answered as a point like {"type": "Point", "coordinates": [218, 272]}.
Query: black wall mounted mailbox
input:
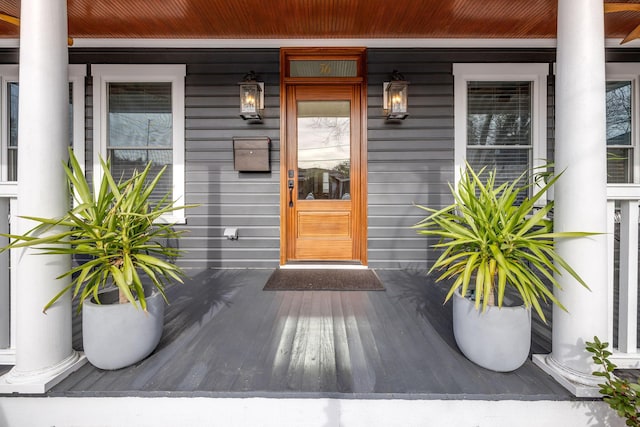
{"type": "Point", "coordinates": [251, 154]}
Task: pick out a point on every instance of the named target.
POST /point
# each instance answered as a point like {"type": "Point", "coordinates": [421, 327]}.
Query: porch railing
{"type": "Point", "coordinates": [8, 204]}
{"type": "Point", "coordinates": [623, 201]}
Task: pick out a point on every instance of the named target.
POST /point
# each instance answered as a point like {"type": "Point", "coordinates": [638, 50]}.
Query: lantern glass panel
{"type": "Point", "coordinates": [397, 98]}
{"type": "Point", "coordinates": [249, 98]}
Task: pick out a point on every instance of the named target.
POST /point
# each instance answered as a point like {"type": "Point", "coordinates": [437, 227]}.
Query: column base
{"type": "Point", "coordinates": [578, 383]}
{"type": "Point", "coordinates": [39, 382]}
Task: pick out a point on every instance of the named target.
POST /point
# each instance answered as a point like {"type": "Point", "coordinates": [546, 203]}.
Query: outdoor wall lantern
{"type": "Point", "coordinates": [395, 97]}
{"type": "Point", "coordinates": [251, 97]}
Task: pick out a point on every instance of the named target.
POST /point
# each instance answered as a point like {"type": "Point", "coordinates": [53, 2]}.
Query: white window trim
{"type": "Point", "coordinates": [77, 74]}
{"type": "Point", "coordinates": [125, 73]}
{"type": "Point", "coordinates": [535, 73]}
{"type": "Point", "coordinates": [629, 71]}
{"type": "Point", "coordinates": [10, 74]}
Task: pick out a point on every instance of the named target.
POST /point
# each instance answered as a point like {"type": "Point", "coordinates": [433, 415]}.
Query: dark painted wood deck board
{"type": "Point", "coordinates": [433, 320]}
{"type": "Point", "coordinates": [297, 352]}
{"type": "Point", "coordinates": [328, 361]}
{"type": "Point", "coordinates": [343, 352]}
{"type": "Point", "coordinates": [280, 362]}
{"type": "Point", "coordinates": [224, 336]}
{"type": "Point", "coordinates": [367, 367]}
{"type": "Point", "coordinates": [400, 348]}
{"type": "Point", "coordinates": [239, 334]}
{"type": "Point", "coordinates": [252, 374]}
{"type": "Point", "coordinates": [436, 349]}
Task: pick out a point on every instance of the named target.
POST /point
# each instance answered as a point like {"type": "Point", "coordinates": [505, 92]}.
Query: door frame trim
{"type": "Point", "coordinates": [360, 207]}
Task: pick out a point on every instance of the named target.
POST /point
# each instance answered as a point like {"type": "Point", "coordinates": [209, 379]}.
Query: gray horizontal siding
{"type": "Point", "coordinates": [226, 198]}
{"type": "Point", "coordinates": [229, 198]}
{"type": "Point", "coordinates": [409, 162]}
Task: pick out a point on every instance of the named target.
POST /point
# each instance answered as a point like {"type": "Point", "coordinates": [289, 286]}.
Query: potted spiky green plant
{"type": "Point", "coordinates": [496, 241]}
{"type": "Point", "coordinates": [115, 234]}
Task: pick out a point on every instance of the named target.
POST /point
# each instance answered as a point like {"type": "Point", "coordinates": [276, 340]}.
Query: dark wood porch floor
{"type": "Point", "coordinates": [224, 336]}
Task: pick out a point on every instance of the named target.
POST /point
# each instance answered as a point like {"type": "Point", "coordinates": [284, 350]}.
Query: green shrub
{"type": "Point", "coordinates": [621, 395]}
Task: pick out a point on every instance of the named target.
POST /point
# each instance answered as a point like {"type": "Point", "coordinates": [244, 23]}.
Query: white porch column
{"type": "Point", "coordinates": [580, 193]}
{"type": "Point", "coordinates": [43, 344]}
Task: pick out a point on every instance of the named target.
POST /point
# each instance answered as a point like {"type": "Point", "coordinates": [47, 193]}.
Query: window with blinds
{"type": "Point", "coordinates": [619, 141]}
{"type": "Point", "coordinates": [13, 91]}
{"type": "Point", "coordinates": [139, 131]}
{"type": "Point", "coordinates": [139, 118]}
{"type": "Point", "coordinates": [499, 136]}
{"type": "Point", "coordinates": [12, 143]}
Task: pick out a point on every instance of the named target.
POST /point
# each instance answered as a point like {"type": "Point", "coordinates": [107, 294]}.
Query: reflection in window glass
{"type": "Point", "coordinates": [499, 127]}
{"type": "Point", "coordinates": [324, 150]}
{"type": "Point", "coordinates": [12, 146]}
{"type": "Point", "coordinates": [140, 129]}
{"type": "Point", "coordinates": [619, 142]}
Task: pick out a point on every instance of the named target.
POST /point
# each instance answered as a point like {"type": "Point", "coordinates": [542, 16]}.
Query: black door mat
{"type": "Point", "coordinates": [323, 280]}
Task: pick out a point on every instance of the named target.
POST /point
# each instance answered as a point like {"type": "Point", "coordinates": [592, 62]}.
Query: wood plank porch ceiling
{"type": "Point", "coordinates": [259, 19]}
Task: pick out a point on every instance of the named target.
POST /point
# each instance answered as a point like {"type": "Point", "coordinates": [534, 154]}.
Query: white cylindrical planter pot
{"type": "Point", "coordinates": [498, 338]}
{"type": "Point", "coordinates": [119, 335]}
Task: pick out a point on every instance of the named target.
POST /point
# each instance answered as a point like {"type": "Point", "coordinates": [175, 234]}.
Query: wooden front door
{"type": "Point", "coordinates": [323, 175]}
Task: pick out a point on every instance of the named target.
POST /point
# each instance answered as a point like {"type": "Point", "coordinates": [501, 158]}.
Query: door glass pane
{"type": "Point", "coordinates": [324, 150]}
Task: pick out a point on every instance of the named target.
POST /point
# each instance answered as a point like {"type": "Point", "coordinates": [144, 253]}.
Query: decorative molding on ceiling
{"type": "Point", "coordinates": [278, 43]}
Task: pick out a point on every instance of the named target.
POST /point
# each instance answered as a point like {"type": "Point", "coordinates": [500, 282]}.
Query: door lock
{"type": "Point", "coordinates": [290, 184]}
